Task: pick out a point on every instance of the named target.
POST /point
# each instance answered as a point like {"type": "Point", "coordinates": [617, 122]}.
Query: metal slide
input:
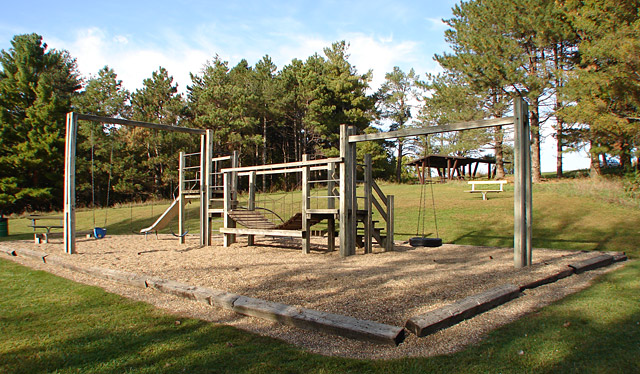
{"type": "Point", "coordinates": [166, 217]}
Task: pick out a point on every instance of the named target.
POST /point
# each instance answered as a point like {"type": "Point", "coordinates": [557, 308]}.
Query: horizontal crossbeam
{"type": "Point", "coordinates": [433, 129]}
{"type": "Point", "coordinates": [148, 125]}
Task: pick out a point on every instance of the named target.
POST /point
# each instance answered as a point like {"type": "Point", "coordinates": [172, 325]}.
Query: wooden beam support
{"type": "Point", "coordinates": [70, 184]}
{"type": "Point", "coordinates": [432, 129]}
{"type": "Point", "coordinates": [306, 223]}
{"type": "Point", "coordinates": [345, 194]}
{"type": "Point", "coordinates": [181, 203]}
{"type": "Point", "coordinates": [284, 165]}
{"type": "Point", "coordinates": [252, 200]}
{"type": "Point", "coordinates": [263, 232]}
{"type": "Point", "coordinates": [148, 125]}
{"type": "Point", "coordinates": [522, 186]}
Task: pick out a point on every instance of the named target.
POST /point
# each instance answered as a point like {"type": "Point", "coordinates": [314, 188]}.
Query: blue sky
{"type": "Point", "coordinates": [136, 37]}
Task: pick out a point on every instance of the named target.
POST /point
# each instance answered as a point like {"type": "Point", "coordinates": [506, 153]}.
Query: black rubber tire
{"type": "Point", "coordinates": [425, 242]}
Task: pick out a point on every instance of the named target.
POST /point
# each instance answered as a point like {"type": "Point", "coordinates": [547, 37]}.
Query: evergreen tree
{"type": "Point", "coordinates": [606, 86]}
{"type": "Point", "coordinates": [395, 98]}
{"type": "Point", "coordinates": [36, 88]}
{"type": "Point", "coordinates": [157, 101]}
{"type": "Point", "coordinates": [511, 46]}
{"type": "Point", "coordinates": [103, 96]}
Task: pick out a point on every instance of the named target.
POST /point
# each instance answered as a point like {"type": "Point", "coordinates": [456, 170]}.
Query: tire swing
{"type": "Point", "coordinates": [423, 240]}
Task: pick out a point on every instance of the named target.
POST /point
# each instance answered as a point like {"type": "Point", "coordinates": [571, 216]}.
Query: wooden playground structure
{"type": "Point", "coordinates": [215, 183]}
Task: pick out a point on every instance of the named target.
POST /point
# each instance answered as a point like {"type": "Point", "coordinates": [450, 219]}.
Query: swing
{"type": "Point", "coordinates": [423, 241]}
{"type": "Point", "coordinates": [99, 232]}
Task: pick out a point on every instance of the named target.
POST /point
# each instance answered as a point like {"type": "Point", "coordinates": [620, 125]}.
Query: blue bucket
{"type": "Point", "coordinates": [99, 232]}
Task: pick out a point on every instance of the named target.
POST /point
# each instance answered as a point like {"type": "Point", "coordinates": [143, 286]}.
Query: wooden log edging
{"type": "Point", "coordinates": [320, 321]}
{"type": "Point", "coordinates": [449, 315]}
{"type": "Point", "coordinates": [281, 313]}
{"type": "Point", "coordinates": [592, 263]}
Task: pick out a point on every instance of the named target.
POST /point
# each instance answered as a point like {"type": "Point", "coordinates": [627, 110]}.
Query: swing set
{"type": "Point", "coordinates": [354, 213]}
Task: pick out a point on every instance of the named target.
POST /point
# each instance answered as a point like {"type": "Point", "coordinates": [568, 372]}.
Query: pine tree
{"type": "Point", "coordinates": [395, 98]}
{"type": "Point", "coordinates": [157, 101]}
{"type": "Point", "coordinates": [606, 87]}
{"type": "Point", "coordinates": [511, 46]}
{"type": "Point", "coordinates": [105, 96]}
{"type": "Point", "coordinates": [36, 88]}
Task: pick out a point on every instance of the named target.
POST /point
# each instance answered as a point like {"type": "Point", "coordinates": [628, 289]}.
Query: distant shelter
{"type": "Point", "coordinates": [450, 167]}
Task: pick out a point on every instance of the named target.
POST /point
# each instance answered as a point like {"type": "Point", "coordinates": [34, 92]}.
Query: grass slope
{"type": "Point", "coordinates": [567, 214]}
{"type": "Point", "coordinates": [52, 325]}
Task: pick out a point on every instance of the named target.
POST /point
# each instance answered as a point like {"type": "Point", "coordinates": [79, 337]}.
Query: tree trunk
{"type": "Point", "coordinates": [559, 136]}
{"type": "Point", "coordinates": [399, 161]}
{"type": "Point", "coordinates": [594, 169]}
{"type": "Point", "coordinates": [499, 137]}
{"type": "Point", "coordinates": [535, 140]}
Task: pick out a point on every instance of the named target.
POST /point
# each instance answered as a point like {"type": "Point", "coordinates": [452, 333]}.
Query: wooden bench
{"type": "Point", "coordinates": [484, 192]}
{"type": "Point", "coordinates": [50, 222]}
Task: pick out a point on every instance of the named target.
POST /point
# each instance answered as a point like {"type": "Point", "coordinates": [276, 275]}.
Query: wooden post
{"type": "Point", "coordinates": [206, 156]}
{"type": "Point", "coordinates": [227, 206]}
{"type": "Point", "coordinates": [368, 221]}
{"type": "Point", "coordinates": [331, 234]}
{"type": "Point", "coordinates": [306, 221]}
{"type": "Point", "coordinates": [252, 201]}
{"type": "Point", "coordinates": [390, 223]}
{"type": "Point", "coordinates": [181, 206]}
{"type": "Point", "coordinates": [345, 192]}
{"type": "Point", "coordinates": [522, 186]}
{"type": "Point", "coordinates": [331, 204]}
{"type": "Point", "coordinates": [353, 222]}
{"type": "Point", "coordinates": [70, 184]}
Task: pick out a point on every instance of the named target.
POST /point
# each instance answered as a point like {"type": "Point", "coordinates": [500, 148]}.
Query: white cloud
{"type": "Point", "coordinates": [131, 60]}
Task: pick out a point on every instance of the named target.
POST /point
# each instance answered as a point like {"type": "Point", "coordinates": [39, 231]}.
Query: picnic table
{"type": "Point", "coordinates": [47, 223]}
{"type": "Point", "coordinates": [497, 187]}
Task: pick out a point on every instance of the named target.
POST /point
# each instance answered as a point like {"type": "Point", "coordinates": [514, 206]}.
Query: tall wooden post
{"type": "Point", "coordinates": [181, 202]}
{"type": "Point", "coordinates": [331, 204]}
{"type": "Point", "coordinates": [345, 193]}
{"type": "Point", "coordinates": [252, 201]}
{"type": "Point", "coordinates": [306, 227]}
{"type": "Point", "coordinates": [70, 184]}
{"type": "Point", "coordinates": [206, 156]}
{"type": "Point", "coordinates": [368, 224]}
{"type": "Point", "coordinates": [353, 210]}
{"type": "Point", "coordinates": [227, 206]}
{"type": "Point", "coordinates": [522, 186]}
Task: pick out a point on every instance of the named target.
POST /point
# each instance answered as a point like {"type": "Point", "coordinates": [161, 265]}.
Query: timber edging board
{"type": "Point", "coordinates": [592, 263]}
{"type": "Point", "coordinates": [449, 315]}
{"type": "Point", "coordinates": [285, 314]}
{"type": "Point", "coordinates": [320, 321]}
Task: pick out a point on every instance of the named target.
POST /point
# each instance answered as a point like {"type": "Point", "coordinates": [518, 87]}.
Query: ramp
{"type": "Point", "coordinates": [164, 219]}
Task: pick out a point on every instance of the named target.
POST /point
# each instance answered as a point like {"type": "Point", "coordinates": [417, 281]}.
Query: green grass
{"type": "Point", "coordinates": [52, 325]}
{"type": "Point", "coordinates": [572, 214]}
{"type": "Point", "coordinates": [49, 324]}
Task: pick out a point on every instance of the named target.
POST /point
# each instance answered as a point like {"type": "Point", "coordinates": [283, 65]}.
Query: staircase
{"type": "Point", "coordinates": [367, 230]}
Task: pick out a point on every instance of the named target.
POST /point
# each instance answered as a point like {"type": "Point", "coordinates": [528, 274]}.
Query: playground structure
{"type": "Point", "coordinates": [210, 191]}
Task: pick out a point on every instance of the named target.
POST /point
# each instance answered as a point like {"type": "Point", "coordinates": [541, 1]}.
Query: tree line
{"type": "Point", "coordinates": [575, 62]}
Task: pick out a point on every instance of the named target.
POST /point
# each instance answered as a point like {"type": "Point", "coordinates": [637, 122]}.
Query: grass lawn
{"type": "Point", "coordinates": [50, 324]}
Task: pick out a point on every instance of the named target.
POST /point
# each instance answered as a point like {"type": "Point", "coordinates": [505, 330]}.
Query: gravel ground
{"type": "Point", "coordinates": [384, 287]}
